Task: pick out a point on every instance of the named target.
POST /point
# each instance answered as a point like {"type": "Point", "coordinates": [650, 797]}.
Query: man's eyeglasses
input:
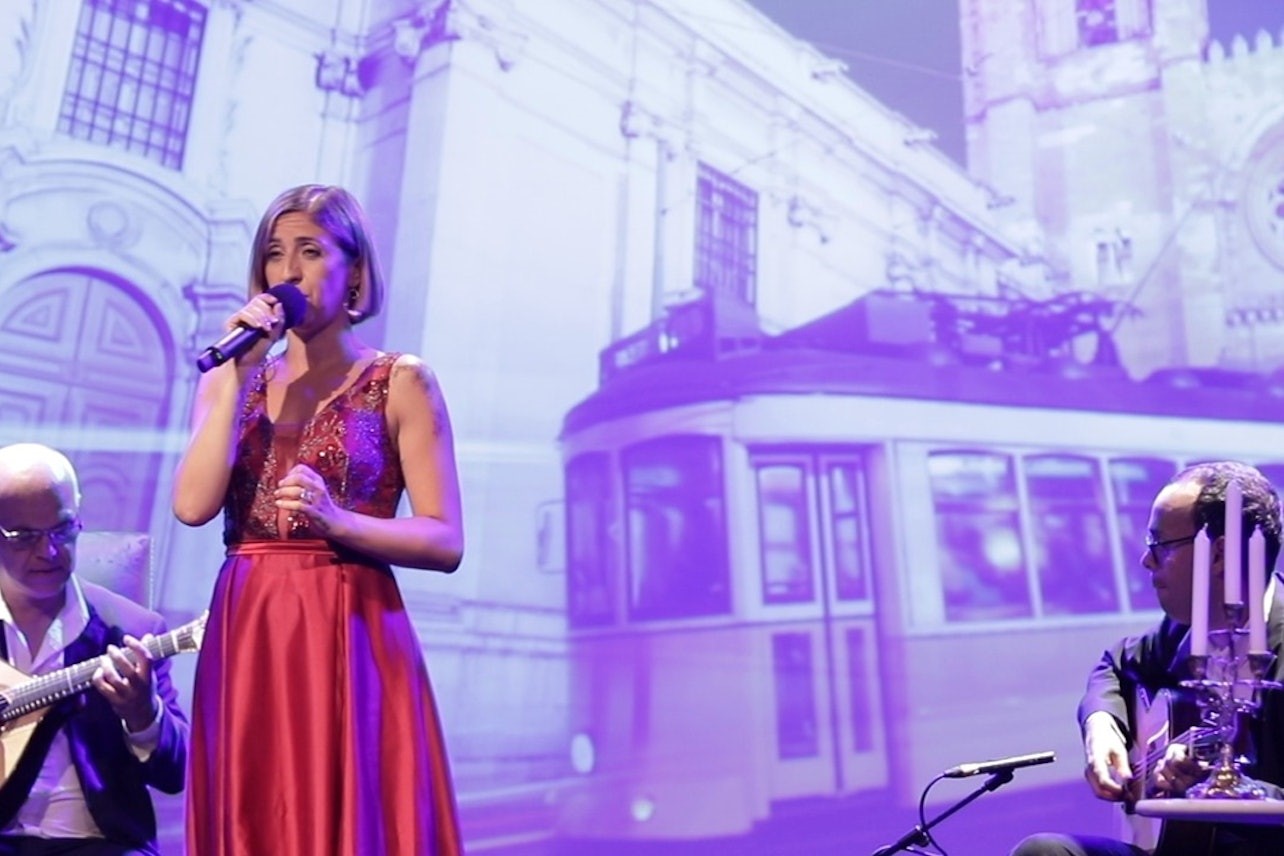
{"type": "Point", "coordinates": [1155, 546]}
{"type": "Point", "coordinates": [61, 535]}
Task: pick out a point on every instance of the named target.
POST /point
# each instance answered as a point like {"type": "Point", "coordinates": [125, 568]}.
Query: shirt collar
{"type": "Point", "coordinates": [67, 625]}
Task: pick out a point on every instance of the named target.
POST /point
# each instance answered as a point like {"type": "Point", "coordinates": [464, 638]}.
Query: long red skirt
{"type": "Point", "coordinates": [313, 724]}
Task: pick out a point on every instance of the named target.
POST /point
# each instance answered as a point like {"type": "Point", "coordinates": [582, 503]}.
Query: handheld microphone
{"type": "Point", "coordinates": [1000, 765]}
{"type": "Point", "coordinates": [240, 339]}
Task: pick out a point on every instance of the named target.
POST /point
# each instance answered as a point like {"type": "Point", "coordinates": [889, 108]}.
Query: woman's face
{"type": "Point", "coordinates": [304, 254]}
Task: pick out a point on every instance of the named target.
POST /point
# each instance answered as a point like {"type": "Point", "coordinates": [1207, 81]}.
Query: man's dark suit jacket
{"type": "Point", "coordinates": [1156, 660]}
{"type": "Point", "coordinates": [114, 781]}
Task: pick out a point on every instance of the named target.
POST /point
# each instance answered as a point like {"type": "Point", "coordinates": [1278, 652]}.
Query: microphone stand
{"type": "Point", "coordinates": [918, 835]}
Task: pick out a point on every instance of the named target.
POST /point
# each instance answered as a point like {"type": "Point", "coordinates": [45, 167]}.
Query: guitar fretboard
{"type": "Point", "coordinates": [45, 690]}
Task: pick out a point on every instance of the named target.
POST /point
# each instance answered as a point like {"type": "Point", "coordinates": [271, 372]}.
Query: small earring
{"type": "Point", "coordinates": [353, 294]}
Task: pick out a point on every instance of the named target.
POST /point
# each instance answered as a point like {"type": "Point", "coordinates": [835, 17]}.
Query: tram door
{"type": "Point", "coordinates": [816, 602]}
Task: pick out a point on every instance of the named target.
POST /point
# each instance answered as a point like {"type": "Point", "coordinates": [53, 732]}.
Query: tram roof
{"type": "Point", "coordinates": [786, 366]}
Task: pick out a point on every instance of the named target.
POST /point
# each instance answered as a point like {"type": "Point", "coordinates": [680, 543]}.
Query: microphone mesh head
{"type": "Point", "coordinates": [293, 303]}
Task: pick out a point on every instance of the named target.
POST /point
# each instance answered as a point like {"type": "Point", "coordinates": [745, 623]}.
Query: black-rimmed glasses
{"type": "Point", "coordinates": [1154, 546]}
{"type": "Point", "coordinates": [60, 536]}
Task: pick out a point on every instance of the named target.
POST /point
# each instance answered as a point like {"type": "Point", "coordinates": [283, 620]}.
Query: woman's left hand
{"type": "Point", "coordinates": [303, 491]}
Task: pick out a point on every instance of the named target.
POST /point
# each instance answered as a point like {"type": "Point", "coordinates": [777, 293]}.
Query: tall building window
{"type": "Point", "coordinates": [726, 257]}
{"type": "Point", "coordinates": [133, 71]}
{"type": "Point", "coordinates": [1066, 26]}
{"type": "Point", "coordinates": [1104, 22]}
{"type": "Point", "coordinates": [1097, 24]}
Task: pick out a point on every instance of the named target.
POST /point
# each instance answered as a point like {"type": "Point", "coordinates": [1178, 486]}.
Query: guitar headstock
{"type": "Point", "coordinates": [190, 635]}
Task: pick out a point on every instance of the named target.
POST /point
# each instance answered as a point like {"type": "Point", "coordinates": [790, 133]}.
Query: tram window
{"type": "Point", "coordinates": [784, 534]}
{"type": "Point", "coordinates": [1136, 481]}
{"type": "Point", "coordinates": [858, 675]}
{"type": "Point", "coordinates": [849, 532]}
{"type": "Point", "coordinates": [588, 512]}
{"type": "Point", "coordinates": [677, 533]}
{"type": "Point", "coordinates": [982, 563]}
{"type": "Point", "coordinates": [1070, 535]}
{"type": "Point", "coordinates": [797, 734]}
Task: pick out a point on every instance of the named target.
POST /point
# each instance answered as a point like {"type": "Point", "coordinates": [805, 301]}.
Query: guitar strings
{"type": "Point", "coordinates": [44, 690]}
{"type": "Point", "coordinates": [1192, 737]}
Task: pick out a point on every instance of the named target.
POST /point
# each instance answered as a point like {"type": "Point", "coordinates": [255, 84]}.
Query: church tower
{"type": "Point", "coordinates": [1096, 117]}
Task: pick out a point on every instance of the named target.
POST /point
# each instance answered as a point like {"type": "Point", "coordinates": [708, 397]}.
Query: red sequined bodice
{"type": "Point", "coordinates": [347, 443]}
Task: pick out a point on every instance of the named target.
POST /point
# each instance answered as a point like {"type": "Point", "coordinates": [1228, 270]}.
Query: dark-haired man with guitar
{"type": "Point", "coordinates": [76, 765]}
{"type": "Point", "coordinates": [1137, 678]}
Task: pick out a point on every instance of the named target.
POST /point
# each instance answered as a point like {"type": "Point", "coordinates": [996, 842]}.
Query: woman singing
{"type": "Point", "coordinates": [314, 728]}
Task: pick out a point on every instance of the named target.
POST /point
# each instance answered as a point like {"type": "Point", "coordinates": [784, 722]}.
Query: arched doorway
{"type": "Point", "coordinates": [83, 361]}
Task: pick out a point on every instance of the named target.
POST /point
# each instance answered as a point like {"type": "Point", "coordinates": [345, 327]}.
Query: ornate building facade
{"type": "Point", "coordinates": [1150, 159]}
{"type": "Point", "coordinates": [545, 180]}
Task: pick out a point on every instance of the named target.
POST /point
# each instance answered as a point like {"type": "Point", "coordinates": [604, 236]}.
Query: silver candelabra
{"type": "Point", "coordinates": [1228, 684]}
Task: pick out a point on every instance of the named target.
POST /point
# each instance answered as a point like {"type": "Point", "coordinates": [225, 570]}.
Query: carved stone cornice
{"type": "Point", "coordinates": [112, 225]}
{"type": "Point", "coordinates": [701, 59]}
{"type": "Point", "coordinates": [805, 214]}
{"type": "Point", "coordinates": [339, 72]}
{"type": "Point", "coordinates": [16, 54]}
{"type": "Point", "coordinates": [638, 122]}
{"type": "Point", "coordinates": [408, 35]}
{"type": "Point", "coordinates": [8, 240]}
{"type": "Point", "coordinates": [439, 21]}
{"type": "Point", "coordinates": [905, 268]}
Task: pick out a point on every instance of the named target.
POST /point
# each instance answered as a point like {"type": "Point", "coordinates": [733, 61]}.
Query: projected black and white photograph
{"type": "Point", "coordinates": [575, 427]}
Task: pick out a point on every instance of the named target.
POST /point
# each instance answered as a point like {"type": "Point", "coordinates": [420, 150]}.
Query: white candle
{"type": "Point", "coordinates": [1199, 597]}
{"type": "Point", "coordinates": [1233, 544]}
{"type": "Point", "coordinates": [1257, 592]}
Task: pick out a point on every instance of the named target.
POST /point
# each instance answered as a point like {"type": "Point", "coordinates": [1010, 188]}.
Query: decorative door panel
{"type": "Point", "coordinates": [105, 408]}
{"type": "Point", "coordinates": [20, 409]}
{"type": "Point", "coordinates": [121, 349]}
{"type": "Point", "coordinates": [40, 327]}
{"type": "Point", "coordinates": [82, 359]}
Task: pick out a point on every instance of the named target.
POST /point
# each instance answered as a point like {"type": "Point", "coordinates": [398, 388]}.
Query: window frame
{"type": "Point", "coordinates": [725, 263]}
{"type": "Point", "coordinates": [152, 64]}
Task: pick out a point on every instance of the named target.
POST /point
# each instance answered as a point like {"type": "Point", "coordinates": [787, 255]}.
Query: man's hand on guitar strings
{"type": "Point", "coordinates": [1178, 772]}
{"type": "Point", "coordinates": [1107, 769]}
{"type": "Point", "coordinates": [124, 678]}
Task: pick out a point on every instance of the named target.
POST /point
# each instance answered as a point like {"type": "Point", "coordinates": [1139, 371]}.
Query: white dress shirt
{"type": "Point", "coordinates": [56, 806]}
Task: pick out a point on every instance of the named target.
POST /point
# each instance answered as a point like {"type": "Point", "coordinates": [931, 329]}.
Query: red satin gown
{"type": "Point", "coordinates": [314, 729]}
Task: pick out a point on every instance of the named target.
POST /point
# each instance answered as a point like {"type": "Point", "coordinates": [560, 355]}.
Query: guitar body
{"type": "Point", "coordinates": [16, 733]}
{"type": "Point", "coordinates": [1157, 722]}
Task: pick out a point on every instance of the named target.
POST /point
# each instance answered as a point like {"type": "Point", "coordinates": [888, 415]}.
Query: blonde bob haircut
{"type": "Point", "coordinates": [338, 212]}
